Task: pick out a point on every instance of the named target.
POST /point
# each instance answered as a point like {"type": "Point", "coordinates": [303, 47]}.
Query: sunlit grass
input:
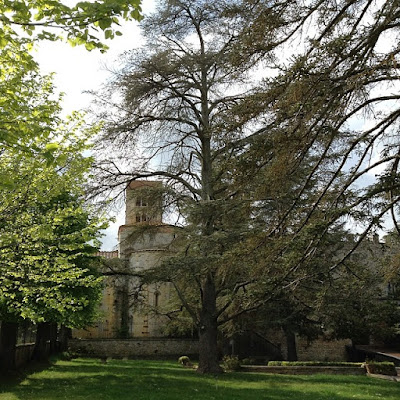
{"type": "Point", "coordinates": [161, 380]}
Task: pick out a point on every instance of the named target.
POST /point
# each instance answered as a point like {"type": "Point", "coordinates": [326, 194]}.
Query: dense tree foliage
{"type": "Point", "coordinates": [28, 106]}
{"type": "Point", "coordinates": [48, 241]}
{"type": "Point", "coordinates": [267, 121]}
{"type": "Point", "coordinates": [48, 237]}
{"type": "Point", "coordinates": [358, 302]}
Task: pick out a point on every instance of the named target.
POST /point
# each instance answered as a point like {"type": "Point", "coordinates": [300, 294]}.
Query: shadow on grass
{"type": "Point", "coordinates": [13, 377]}
{"type": "Point", "coordinates": [150, 380]}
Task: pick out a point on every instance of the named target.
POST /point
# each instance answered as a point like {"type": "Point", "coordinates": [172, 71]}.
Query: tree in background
{"type": "Point", "coordinates": [355, 305]}
{"type": "Point", "coordinates": [259, 170]}
{"type": "Point", "coordinates": [354, 302]}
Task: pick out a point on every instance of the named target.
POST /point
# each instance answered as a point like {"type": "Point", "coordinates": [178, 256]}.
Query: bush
{"type": "Point", "coordinates": [185, 361]}
{"type": "Point", "coordinates": [249, 361]}
{"type": "Point", "coordinates": [231, 363]}
{"type": "Point", "coordinates": [381, 368]}
{"type": "Point", "coordinates": [63, 356]}
{"type": "Point", "coordinates": [312, 364]}
{"type": "Point", "coordinates": [66, 356]}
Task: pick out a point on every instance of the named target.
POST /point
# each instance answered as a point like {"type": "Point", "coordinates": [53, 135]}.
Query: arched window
{"type": "Point", "coordinates": [140, 202]}
{"type": "Point", "coordinates": [142, 217]}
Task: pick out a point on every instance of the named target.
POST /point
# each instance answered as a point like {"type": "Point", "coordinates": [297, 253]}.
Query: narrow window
{"type": "Point", "coordinates": [156, 298]}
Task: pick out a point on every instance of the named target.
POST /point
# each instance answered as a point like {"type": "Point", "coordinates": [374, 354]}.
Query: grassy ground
{"type": "Point", "coordinates": [150, 380]}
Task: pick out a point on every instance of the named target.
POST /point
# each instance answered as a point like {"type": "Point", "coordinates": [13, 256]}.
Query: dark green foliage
{"type": "Point", "coordinates": [355, 305]}
{"type": "Point", "coordinates": [248, 361]}
{"type": "Point", "coordinates": [381, 368]}
{"type": "Point", "coordinates": [312, 364]}
{"type": "Point", "coordinates": [231, 363]}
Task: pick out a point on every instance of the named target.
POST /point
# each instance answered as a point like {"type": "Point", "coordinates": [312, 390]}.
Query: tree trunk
{"type": "Point", "coordinates": [8, 343]}
{"type": "Point", "coordinates": [208, 329]}
{"type": "Point", "coordinates": [291, 345]}
{"type": "Point", "coordinates": [41, 350]}
{"type": "Point", "coordinates": [53, 331]}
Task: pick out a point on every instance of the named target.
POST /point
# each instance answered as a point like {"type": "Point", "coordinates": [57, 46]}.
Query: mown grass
{"type": "Point", "coordinates": [161, 380]}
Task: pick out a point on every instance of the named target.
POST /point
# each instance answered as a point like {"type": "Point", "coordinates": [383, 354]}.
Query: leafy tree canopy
{"type": "Point", "coordinates": [48, 236]}
{"type": "Point", "coordinates": [48, 240]}
{"type": "Point", "coordinates": [28, 106]}
{"type": "Point", "coordinates": [80, 24]}
{"type": "Point", "coordinates": [26, 112]}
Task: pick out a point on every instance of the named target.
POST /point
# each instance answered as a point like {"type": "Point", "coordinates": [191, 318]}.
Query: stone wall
{"type": "Point", "coordinates": [317, 350]}
{"type": "Point", "coordinates": [322, 350]}
{"type": "Point", "coordinates": [135, 348]}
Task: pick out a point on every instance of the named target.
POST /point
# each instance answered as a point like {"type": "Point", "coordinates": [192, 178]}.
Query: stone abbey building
{"type": "Point", "coordinates": [127, 309]}
{"type": "Point", "coordinates": [128, 324]}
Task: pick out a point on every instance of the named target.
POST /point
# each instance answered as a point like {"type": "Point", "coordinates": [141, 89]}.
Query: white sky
{"type": "Point", "coordinates": [77, 70]}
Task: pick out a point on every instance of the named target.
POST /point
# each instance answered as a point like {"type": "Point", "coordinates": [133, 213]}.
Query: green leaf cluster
{"type": "Point", "coordinates": [80, 24]}
{"type": "Point", "coordinates": [29, 107]}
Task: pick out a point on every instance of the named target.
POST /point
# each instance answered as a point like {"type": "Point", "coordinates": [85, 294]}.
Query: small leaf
{"type": "Point", "coordinates": [52, 146]}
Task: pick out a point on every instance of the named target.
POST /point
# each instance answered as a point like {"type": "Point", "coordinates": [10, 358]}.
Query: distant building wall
{"type": "Point", "coordinates": [136, 348]}
{"type": "Point", "coordinates": [316, 350]}
{"type": "Point", "coordinates": [322, 350]}
{"type": "Point", "coordinates": [108, 322]}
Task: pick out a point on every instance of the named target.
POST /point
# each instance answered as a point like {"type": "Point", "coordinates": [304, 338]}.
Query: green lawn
{"type": "Point", "coordinates": [148, 380]}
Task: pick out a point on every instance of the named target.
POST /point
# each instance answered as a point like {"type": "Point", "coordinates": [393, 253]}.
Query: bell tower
{"type": "Point", "coordinates": [143, 208]}
{"type": "Point", "coordinates": [143, 203]}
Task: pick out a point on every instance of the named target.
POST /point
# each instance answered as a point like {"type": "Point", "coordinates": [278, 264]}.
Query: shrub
{"type": "Point", "coordinates": [313, 364]}
{"type": "Point", "coordinates": [66, 356]}
{"type": "Point", "coordinates": [249, 361]}
{"type": "Point", "coordinates": [63, 356]}
{"type": "Point", "coordinates": [231, 363]}
{"type": "Point", "coordinates": [185, 361]}
{"type": "Point", "coordinates": [381, 368]}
